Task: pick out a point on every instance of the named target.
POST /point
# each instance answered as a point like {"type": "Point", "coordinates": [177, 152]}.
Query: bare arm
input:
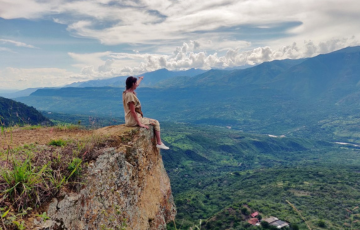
{"type": "Point", "coordinates": [133, 113]}
{"type": "Point", "coordinates": [139, 80]}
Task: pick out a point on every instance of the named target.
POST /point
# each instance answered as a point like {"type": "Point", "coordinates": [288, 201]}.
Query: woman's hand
{"type": "Point", "coordinates": [144, 126]}
{"type": "Point", "coordinates": [139, 80]}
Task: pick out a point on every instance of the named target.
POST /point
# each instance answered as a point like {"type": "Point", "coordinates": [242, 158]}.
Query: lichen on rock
{"type": "Point", "coordinates": [126, 187]}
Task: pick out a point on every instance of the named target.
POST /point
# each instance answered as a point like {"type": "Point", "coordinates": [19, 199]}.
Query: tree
{"type": "Point", "coordinates": [321, 224]}
{"type": "Point", "coordinates": [265, 224]}
{"type": "Point", "coordinates": [245, 211]}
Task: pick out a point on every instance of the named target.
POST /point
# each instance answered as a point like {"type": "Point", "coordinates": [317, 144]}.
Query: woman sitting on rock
{"type": "Point", "coordinates": [133, 113]}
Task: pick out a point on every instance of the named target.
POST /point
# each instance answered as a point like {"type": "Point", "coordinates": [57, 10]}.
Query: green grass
{"type": "Point", "coordinates": [38, 172]}
{"type": "Point", "coordinates": [23, 183]}
{"type": "Point", "coordinates": [65, 126]}
{"type": "Point", "coordinates": [20, 152]}
{"type": "Point", "coordinates": [75, 167]}
{"type": "Point", "coordinates": [58, 142]}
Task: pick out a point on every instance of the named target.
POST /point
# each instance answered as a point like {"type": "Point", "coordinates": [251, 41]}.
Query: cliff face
{"type": "Point", "coordinates": [126, 187]}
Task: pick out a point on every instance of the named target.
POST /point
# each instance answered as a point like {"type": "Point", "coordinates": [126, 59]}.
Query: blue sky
{"type": "Point", "coordinates": [57, 42]}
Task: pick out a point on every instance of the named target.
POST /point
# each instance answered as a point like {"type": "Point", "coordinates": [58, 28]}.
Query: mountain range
{"type": "Point", "coordinates": [150, 78]}
{"type": "Point", "coordinates": [279, 97]}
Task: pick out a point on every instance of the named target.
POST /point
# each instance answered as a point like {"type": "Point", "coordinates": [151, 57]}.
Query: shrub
{"type": "Point", "coordinates": [265, 224]}
{"type": "Point", "coordinates": [75, 167]}
{"type": "Point", "coordinates": [63, 127]}
{"type": "Point", "coordinates": [59, 142]}
{"type": "Point", "coordinates": [245, 211]}
{"type": "Point", "coordinates": [23, 183]}
{"type": "Point", "coordinates": [321, 224]}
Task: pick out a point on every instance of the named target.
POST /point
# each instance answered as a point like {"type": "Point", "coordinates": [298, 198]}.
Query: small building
{"type": "Point", "coordinates": [255, 214]}
{"type": "Point", "coordinates": [270, 219]}
{"type": "Point", "coordinates": [280, 224]}
{"type": "Point", "coordinates": [253, 221]}
{"type": "Point", "coordinates": [276, 222]}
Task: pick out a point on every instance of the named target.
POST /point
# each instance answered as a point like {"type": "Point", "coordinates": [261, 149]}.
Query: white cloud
{"type": "Point", "coordinates": [37, 77]}
{"type": "Point", "coordinates": [29, 9]}
{"type": "Point", "coordinates": [89, 59]}
{"type": "Point", "coordinates": [179, 20]}
{"type": "Point", "coordinates": [219, 33]}
{"type": "Point", "coordinates": [151, 21]}
{"type": "Point", "coordinates": [6, 49]}
{"type": "Point", "coordinates": [189, 56]}
{"type": "Point", "coordinates": [16, 43]}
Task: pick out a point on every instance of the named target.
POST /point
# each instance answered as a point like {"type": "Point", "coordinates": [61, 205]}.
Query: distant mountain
{"type": "Point", "coordinates": [12, 112]}
{"type": "Point", "coordinates": [8, 91]}
{"type": "Point", "coordinates": [150, 78]}
{"type": "Point", "coordinates": [115, 82]}
{"type": "Point", "coordinates": [327, 77]}
{"type": "Point", "coordinates": [260, 74]}
{"type": "Point", "coordinates": [278, 97]}
{"type": "Point", "coordinates": [18, 93]}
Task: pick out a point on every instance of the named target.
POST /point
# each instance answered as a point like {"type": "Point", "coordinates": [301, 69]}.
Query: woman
{"type": "Point", "coordinates": [133, 113]}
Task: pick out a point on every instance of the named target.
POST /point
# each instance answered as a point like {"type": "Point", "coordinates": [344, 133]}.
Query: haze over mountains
{"type": "Point", "coordinates": [150, 78]}
{"type": "Point", "coordinates": [279, 97]}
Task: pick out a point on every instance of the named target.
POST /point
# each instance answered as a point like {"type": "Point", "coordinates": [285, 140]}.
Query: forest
{"type": "Point", "coordinates": [16, 113]}
{"type": "Point", "coordinates": [216, 173]}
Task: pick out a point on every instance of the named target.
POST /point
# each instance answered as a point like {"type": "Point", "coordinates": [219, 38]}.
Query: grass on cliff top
{"type": "Point", "coordinates": [31, 174]}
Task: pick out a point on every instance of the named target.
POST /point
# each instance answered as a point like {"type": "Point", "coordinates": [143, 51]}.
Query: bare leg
{"type": "Point", "coordinates": [158, 139]}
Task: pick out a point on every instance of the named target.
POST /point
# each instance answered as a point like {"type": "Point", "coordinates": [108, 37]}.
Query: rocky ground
{"type": "Point", "coordinates": [122, 182]}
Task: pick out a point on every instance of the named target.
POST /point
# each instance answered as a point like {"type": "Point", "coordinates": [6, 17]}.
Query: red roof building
{"type": "Point", "coordinates": [254, 214]}
{"type": "Point", "coordinates": [253, 221]}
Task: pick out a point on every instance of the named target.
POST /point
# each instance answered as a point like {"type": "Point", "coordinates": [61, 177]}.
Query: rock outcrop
{"type": "Point", "coordinates": [126, 187]}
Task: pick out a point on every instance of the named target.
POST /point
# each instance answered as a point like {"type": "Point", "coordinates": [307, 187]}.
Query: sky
{"type": "Point", "coordinates": [57, 42]}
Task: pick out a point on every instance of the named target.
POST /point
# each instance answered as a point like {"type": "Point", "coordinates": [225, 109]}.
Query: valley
{"type": "Point", "coordinates": [216, 169]}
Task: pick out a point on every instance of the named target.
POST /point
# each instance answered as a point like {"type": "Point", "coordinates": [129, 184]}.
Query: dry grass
{"type": "Point", "coordinates": [33, 172]}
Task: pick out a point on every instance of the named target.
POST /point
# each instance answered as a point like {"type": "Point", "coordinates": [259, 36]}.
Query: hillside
{"type": "Point", "coordinates": [321, 194]}
{"type": "Point", "coordinates": [18, 93]}
{"type": "Point", "coordinates": [327, 77]}
{"type": "Point", "coordinates": [68, 177]}
{"type": "Point", "coordinates": [214, 169]}
{"type": "Point", "coordinates": [12, 113]}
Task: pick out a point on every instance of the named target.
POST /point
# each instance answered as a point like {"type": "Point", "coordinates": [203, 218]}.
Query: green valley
{"type": "Point", "coordinates": [214, 169]}
{"type": "Point", "coordinates": [216, 172]}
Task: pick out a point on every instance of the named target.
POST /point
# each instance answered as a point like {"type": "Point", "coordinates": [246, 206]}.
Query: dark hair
{"type": "Point", "coordinates": [130, 82]}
